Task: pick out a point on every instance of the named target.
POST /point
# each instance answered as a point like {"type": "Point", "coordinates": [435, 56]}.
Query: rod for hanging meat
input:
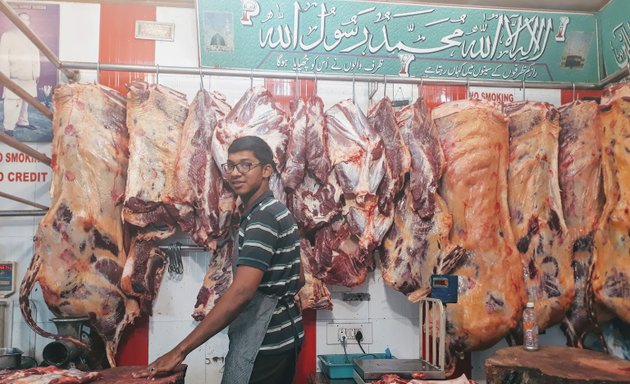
{"type": "Point", "coordinates": [23, 212]}
{"type": "Point", "coordinates": [244, 73]}
{"type": "Point", "coordinates": [23, 201]}
{"type": "Point", "coordinates": [10, 141]}
{"type": "Point", "coordinates": [43, 48]}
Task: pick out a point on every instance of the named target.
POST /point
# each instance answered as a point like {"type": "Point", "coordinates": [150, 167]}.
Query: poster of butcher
{"type": "Point", "coordinates": [21, 61]}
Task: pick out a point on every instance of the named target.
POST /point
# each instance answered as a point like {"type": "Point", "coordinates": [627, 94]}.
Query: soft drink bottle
{"type": "Point", "coordinates": [530, 328]}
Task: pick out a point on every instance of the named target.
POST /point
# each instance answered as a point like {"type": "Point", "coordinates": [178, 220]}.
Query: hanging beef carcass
{"type": "Point", "coordinates": [217, 280]}
{"type": "Point", "coordinates": [206, 201]}
{"type": "Point", "coordinates": [155, 117]}
{"type": "Point", "coordinates": [582, 201]}
{"type": "Point", "coordinates": [417, 247]}
{"type": "Point", "coordinates": [256, 114]}
{"type": "Point", "coordinates": [356, 152]}
{"type": "Point", "coordinates": [314, 294]}
{"type": "Point", "coordinates": [427, 159]}
{"type": "Point", "coordinates": [536, 210]}
{"type": "Point", "coordinates": [382, 119]}
{"type": "Point", "coordinates": [343, 248]}
{"type": "Point", "coordinates": [611, 264]}
{"type": "Point", "coordinates": [312, 191]}
{"type": "Point", "coordinates": [79, 251]}
{"type": "Point", "coordinates": [474, 137]}
{"type": "Point", "coordinates": [315, 196]}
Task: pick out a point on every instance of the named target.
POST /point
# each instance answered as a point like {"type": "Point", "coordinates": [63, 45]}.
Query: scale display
{"type": "Point", "coordinates": [444, 288]}
{"type": "Point", "coordinates": [7, 278]}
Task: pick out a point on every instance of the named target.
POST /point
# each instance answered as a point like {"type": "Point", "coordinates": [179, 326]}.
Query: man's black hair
{"type": "Point", "coordinates": [258, 146]}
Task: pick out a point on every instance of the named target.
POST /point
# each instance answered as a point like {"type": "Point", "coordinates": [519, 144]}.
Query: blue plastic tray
{"type": "Point", "coordinates": [340, 366]}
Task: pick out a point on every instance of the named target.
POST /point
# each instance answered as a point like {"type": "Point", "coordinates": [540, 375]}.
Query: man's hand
{"type": "Point", "coordinates": [164, 364]}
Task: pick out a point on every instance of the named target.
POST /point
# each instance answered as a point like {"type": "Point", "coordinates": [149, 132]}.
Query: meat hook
{"type": "Point", "coordinates": [98, 71]}
{"type": "Point", "coordinates": [573, 91]}
{"type": "Point", "coordinates": [467, 88]}
{"type": "Point", "coordinates": [296, 94]}
{"type": "Point", "coordinates": [157, 74]}
{"type": "Point", "coordinates": [251, 78]}
{"type": "Point", "coordinates": [523, 89]}
{"type": "Point", "coordinates": [353, 90]}
{"type": "Point", "coordinates": [384, 86]}
{"type": "Point", "coordinates": [200, 77]}
{"type": "Point", "coordinates": [175, 264]}
{"type": "Point", "coordinates": [420, 91]}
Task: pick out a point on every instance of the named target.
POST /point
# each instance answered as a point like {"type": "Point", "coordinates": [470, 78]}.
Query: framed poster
{"type": "Point", "coordinates": [22, 62]}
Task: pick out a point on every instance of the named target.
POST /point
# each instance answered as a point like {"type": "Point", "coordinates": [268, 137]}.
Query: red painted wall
{"type": "Point", "coordinates": [118, 45]}
{"type": "Point", "coordinates": [566, 95]}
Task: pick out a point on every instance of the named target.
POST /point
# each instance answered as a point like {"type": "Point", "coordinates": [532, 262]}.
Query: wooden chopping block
{"type": "Point", "coordinates": [554, 364]}
{"type": "Point", "coordinates": [122, 375]}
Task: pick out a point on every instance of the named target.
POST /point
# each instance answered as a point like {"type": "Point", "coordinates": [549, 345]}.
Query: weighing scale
{"type": "Point", "coordinates": [432, 336]}
{"type": "Point", "coordinates": [7, 278]}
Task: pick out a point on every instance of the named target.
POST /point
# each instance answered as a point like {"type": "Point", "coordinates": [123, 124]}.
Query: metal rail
{"type": "Point", "coordinates": [23, 201]}
{"type": "Point", "coordinates": [177, 70]}
{"type": "Point", "coordinates": [21, 213]}
{"type": "Point", "coordinates": [10, 141]}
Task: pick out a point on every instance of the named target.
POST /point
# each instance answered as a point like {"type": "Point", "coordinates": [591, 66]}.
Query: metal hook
{"type": "Point", "coordinates": [467, 88]}
{"type": "Point", "coordinates": [384, 86]}
{"type": "Point", "coordinates": [251, 78]}
{"type": "Point", "coordinates": [421, 90]}
{"type": "Point", "coordinates": [353, 90]}
{"type": "Point", "coordinates": [157, 74]}
{"type": "Point", "coordinates": [200, 77]}
{"type": "Point", "coordinates": [523, 89]}
{"type": "Point", "coordinates": [98, 72]}
{"type": "Point", "coordinates": [315, 85]}
{"type": "Point", "coordinates": [573, 84]}
{"type": "Point", "coordinates": [296, 95]}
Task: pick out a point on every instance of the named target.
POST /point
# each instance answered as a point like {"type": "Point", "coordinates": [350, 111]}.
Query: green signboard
{"type": "Point", "coordinates": [614, 26]}
{"type": "Point", "coordinates": [358, 37]}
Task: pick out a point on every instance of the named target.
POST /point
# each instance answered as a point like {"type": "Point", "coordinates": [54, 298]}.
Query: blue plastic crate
{"type": "Point", "coordinates": [340, 366]}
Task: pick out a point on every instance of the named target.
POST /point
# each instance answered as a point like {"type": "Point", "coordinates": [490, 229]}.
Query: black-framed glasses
{"type": "Point", "coordinates": [243, 167]}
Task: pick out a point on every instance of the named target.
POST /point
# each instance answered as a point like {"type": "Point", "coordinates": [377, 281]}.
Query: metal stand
{"type": "Point", "coordinates": [432, 350]}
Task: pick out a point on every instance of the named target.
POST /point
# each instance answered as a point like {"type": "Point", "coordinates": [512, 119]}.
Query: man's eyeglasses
{"type": "Point", "coordinates": [243, 167]}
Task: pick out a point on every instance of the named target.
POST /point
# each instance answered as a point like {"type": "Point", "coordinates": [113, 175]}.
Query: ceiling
{"type": "Point", "coordinates": [560, 5]}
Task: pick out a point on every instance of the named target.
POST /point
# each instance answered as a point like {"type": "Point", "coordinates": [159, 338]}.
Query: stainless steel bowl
{"type": "Point", "coordinates": [10, 358]}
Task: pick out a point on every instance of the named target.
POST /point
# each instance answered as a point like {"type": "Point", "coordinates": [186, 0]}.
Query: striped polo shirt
{"type": "Point", "coordinates": [268, 239]}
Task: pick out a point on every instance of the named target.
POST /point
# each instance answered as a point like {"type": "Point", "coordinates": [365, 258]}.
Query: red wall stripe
{"type": "Point", "coordinates": [118, 45]}
{"type": "Point", "coordinates": [566, 95]}
{"type": "Point", "coordinates": [283, 91]}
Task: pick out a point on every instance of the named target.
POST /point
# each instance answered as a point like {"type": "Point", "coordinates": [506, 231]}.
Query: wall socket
{"type": "Point", "coordinates": [336, 331]}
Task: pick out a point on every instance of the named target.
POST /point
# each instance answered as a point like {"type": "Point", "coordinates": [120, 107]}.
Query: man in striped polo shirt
{"type": "Point", "coordinates": [266, 328]}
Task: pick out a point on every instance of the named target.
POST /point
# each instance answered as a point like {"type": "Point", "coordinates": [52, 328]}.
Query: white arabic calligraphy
{"type": "Point", "coordinates": [512, 36]}
{"type": "Point", "coordinates": [620, 45]}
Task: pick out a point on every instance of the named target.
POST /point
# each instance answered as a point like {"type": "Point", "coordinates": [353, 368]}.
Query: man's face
{"type": "Point", "coordinates": [247, 173]}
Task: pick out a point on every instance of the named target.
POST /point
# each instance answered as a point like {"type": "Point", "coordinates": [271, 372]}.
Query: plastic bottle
{"type": "Point", "coordinates": [530, 328]}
